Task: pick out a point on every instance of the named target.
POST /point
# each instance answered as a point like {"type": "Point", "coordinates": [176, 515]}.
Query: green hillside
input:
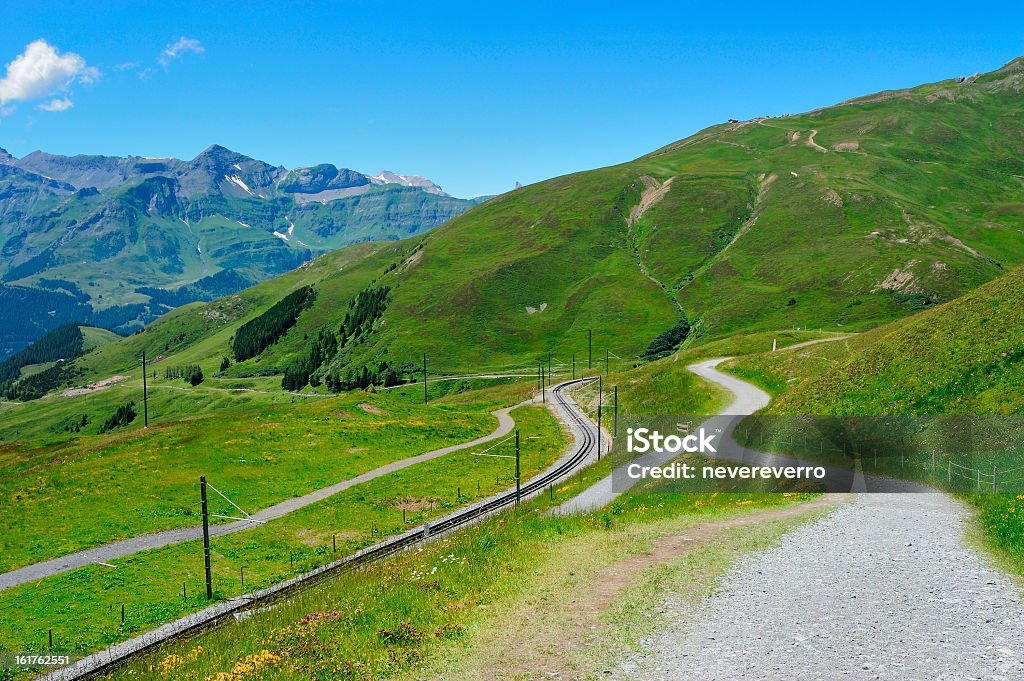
{"type": "Point", "coordinates": [756, 229]}
{"type": "Point", "coordinates": [37, 369]}
{"type": "Point", "coordinates": [838, 219]}
{"type": "Point", "coordinates": [964, 357]}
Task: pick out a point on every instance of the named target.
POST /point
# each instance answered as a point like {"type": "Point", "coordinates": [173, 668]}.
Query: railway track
{"type": "Point", "coordinates": [106, 661]}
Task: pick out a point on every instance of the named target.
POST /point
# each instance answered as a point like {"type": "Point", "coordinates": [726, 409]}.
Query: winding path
{"type": "Point", "coordinates": [885, 587]}
{"type": "Point", "coordinates": [747, 399]}
{"type": "Point", "coordinates": [110, 552]}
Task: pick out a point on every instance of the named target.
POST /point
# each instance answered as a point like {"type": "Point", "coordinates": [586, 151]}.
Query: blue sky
{"type": "Point", "coordinates": [475, 96]}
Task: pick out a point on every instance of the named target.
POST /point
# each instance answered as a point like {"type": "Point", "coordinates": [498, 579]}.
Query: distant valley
{"type": "Point", "coordinates": [118, 241]}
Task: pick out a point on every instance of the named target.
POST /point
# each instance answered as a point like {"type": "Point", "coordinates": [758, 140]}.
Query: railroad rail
{"type": "Point", "coordinates": [105, 661]}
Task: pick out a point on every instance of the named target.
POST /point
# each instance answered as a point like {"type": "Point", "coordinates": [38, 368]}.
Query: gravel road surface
{"type": "Point", "coordinates": [882, 588]}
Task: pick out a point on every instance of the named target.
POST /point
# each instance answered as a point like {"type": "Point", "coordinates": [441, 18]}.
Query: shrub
{"type": "Point", "coordinates": [668, 341]}
{"type": "Point", "coordinates": [124, 415]}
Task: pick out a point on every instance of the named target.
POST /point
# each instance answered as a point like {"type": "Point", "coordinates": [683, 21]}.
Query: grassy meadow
{"type": "Point", "coordinates": [97, 490]}
{"type": "Point", "coordinates": [436, 609]}
{"type": "Point", "coordinates": [158, 585]}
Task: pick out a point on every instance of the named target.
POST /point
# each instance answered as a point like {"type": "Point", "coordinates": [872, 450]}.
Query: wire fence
{"type": "Point", "coordinates": [970, 467]}
{"type": "Point", "coordinates": [138, 592]}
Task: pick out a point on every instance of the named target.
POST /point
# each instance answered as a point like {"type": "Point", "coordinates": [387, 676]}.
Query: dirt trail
{"type": "Point", "coordinates": [883, 588]}
{"type": "Point", "coordinates": [747, 399]}
{"type": "Point", "coordinates": [655, 191]}
{"type": "Point", "coordinates": [529, 651]}
{"type": "Point", "coordinates": [814, 145]}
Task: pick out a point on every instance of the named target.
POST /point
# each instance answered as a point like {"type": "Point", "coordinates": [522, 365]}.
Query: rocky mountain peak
{"type": "Point", "coordinates": [427, 185]}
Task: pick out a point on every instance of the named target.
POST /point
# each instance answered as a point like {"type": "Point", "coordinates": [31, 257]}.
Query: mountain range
{"type": "Point", "coordinates": [118, 241]}
{"type": "Point", "coordinates": [844, 218]}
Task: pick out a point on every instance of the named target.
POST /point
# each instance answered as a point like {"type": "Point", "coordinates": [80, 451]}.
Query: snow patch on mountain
{"type": "Point", "coordinates": [388, 177]}
{"type": "Point", "coordinates": [240, 183]}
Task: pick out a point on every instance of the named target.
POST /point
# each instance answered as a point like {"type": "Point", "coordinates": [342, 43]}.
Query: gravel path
{"type": "Point", "coordinates": [111, 552]}
{"type": "Point", "coordinates": [747, 399]}
{"type": "Point", "coordinates": [883, 588]}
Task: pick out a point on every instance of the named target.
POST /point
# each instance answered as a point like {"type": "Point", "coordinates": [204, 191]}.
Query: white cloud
{"type": "Point", "coordinates": [57, 105]}
{"type": "Point", "coordinates": [182, 46]}
{"type": "Point", "coordinates": [40, 72]}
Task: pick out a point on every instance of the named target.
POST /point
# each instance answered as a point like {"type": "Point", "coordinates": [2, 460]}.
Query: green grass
{"type": "Point", "coordinates": [423, 606]}
{"type": "Point", "coordinates": [150, 583]}
{"type": "Point", "coordinates": [1000, 519]}
{"type": "Point", "coordinates": [100, 489]}
{"type": "Point", "coordinates": [758, 231]}
{"type": "Point", "coordinates": [95, 337]}
{"type": "Point", "coordinates": [963, 359]}
{"type": "Point", "coordinates": [665, 386]}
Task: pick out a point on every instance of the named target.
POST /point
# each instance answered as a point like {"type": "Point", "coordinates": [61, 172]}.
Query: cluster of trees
{"type": "Point", "coordinates": [668, 341]}
{"type": "Point", "coordinates": [35, 386]}
{"type": "Point", "coordinates": [223, 283]}
{"type": "Point", "coordinates": [256, 335]}
{"type": "Point", "coordinates": [363, 311]}
{"type": "Point", "coordinates": [64, 342]}
{"type": "Point", "coordinates": [124, 415]}
{"type": "Point", "coordinates": [366, 308]}
{"type": "Point", "coordinates": [190, 373]}
{"type": "Point", "coordinates": [302, 371]}
{"type": "Point", "coordinates": [72, 424]}
{"type": "Point", "coordinates": [360, 379]}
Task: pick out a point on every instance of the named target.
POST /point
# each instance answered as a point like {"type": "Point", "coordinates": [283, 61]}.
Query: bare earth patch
{"type": "Point", "coordinates": [902, 280]}
{"type": "Point", "coordinates": [414, 504]}
{"type": "Point", "coordinates": [94, 387]}
{"type": "Point", "coordinates": [655, 191]}
{"type": "Point", "coordinates": [814, 145]}
{"type": "Point", "coordinates": [370, 409]}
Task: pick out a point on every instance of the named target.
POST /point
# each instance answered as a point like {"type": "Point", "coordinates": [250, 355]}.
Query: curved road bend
{"type": "Point", "coordinates": [747, 399]}
{"type": "Point", "coordinates": [111, 552]}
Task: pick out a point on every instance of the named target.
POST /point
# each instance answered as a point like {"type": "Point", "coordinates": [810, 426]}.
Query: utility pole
{"type": "Point", "coordinates": [549, 366]}
{"type": "Point", "coordinates": [145, 395]}
{"type": "Point", "coordinates": [615, 412]}
{"type": "Point", "coordinates": [590, 348]}
{"type": "Point", "coordinates": [543, 386]}
{"type": "Point", "coordinates": [538, 377]}
{"type": "Point", "coordinates": [424, 378]}
{"type": "Point", "coordinates": [518, 488]}
{"type": "Point", "coordinates": [206, 537]}
{"type": "Point", "coordinates": [600, 388]}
